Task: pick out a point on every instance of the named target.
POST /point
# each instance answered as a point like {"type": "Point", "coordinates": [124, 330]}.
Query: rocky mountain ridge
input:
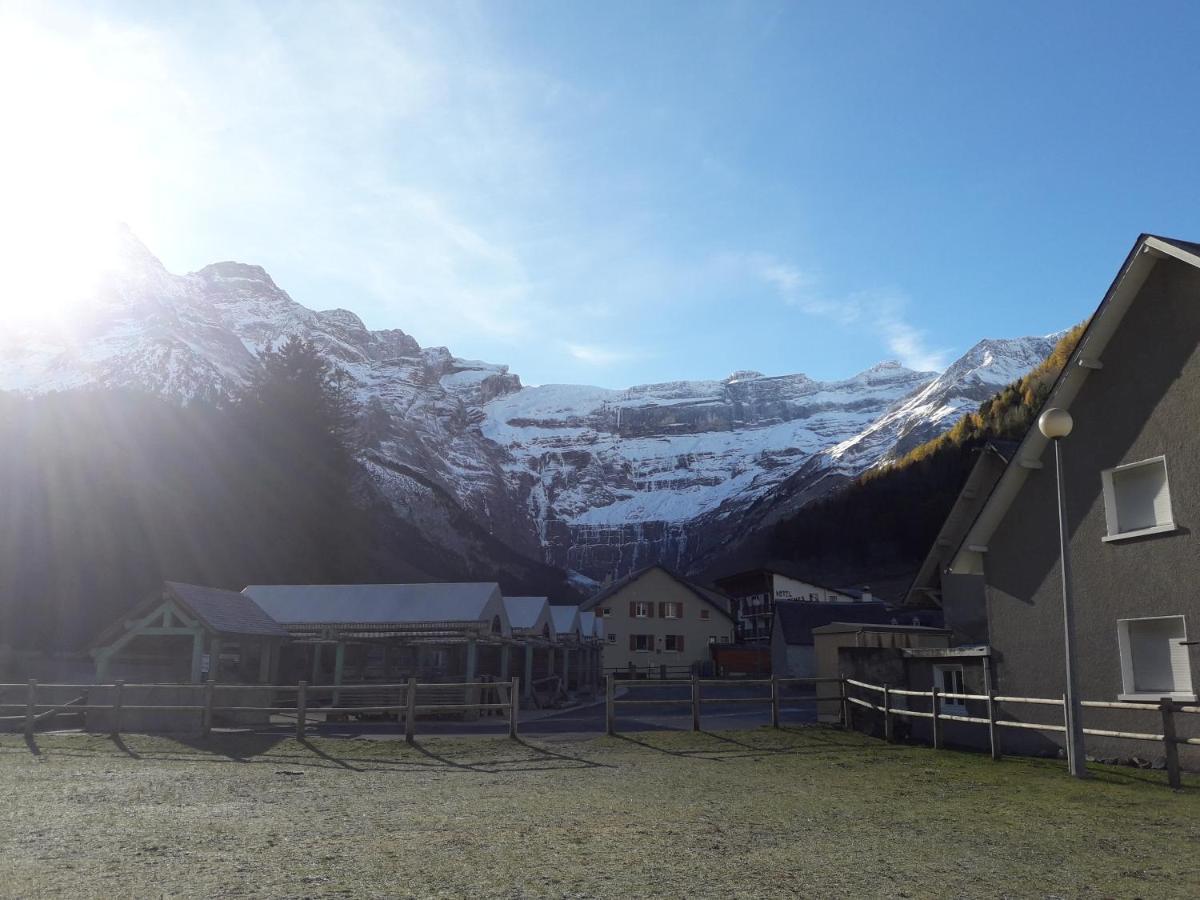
{"type": "Point", "coordinates": [588, 479]}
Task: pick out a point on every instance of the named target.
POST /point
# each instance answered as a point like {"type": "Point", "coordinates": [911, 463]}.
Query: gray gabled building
{"type": "Point", "coordinates": [1132, 486]}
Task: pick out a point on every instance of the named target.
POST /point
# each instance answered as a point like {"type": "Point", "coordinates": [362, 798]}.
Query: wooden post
{"type": "Point", "coordinates": [264, 662]}
{"type": "Point", "coordinates": [1169, 745]}
{"type": "Point", "coordinates": [206, 719]}
{"type": "Point", "coordinates": [846, 722]}
{"type": "Point", "coordinates": [609, 709]}
{"type": "Point", "coordinates": [887, 714]}
{"type": "Point", "coordinates": [514, 706]}
{"type": "Point", "coordinates": [774, 701]}
{"type": "Point", "coordinates": [410, 715]}
{"type": "Point", "coordinates": [993, 731]}
{"type": "Point", "coordinates": [504, 652]}
{"type": "Point", "coordinates": [118, 689]}
{"type": "Point", "coordinates": [937, 720]}
{"type": "Point", "coordinates": [198, 657]}
{"type": "Point", "coordinates": [566, 668]}
{"type": "Point", "coordinates": [31, 708]}
{"type": "Point", "coordinates": [339, 666]}
{"type": "Point", "coordinates": [695, 702]}
{"type": "Point", "coordinates": [316, 667]}
{"type": "Point", "coordinates": [529, 671]}
{"type": "Point", "coordinates": [662, 671]}
{"type": "Point", "coordinates": [301, 709]}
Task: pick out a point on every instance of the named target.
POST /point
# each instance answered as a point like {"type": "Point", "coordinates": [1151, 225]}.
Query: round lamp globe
{"type": "Point", "coordinates": [1055, 423]}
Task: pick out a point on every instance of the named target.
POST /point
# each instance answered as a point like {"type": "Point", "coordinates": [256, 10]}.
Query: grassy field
{"type": "Point", "coordinates": [799, 812]}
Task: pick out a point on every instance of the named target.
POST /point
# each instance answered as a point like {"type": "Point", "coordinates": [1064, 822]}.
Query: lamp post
{"type": "Point", "coordinates": [1056, 424]}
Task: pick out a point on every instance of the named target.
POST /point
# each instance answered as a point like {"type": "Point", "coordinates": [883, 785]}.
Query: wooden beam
{"type": "Point", "coordinates": [197, 656]}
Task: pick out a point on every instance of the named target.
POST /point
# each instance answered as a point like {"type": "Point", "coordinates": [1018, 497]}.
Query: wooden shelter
{"type": "Point", "coordinates": [191, 633]}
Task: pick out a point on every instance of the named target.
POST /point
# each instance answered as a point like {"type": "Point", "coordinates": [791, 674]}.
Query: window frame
{"type": "Point", "coordinates": [950, 707]}
{"type": "Point", "coordinates": [648, 638]}
{"type": "Point", "coordinates": [612, 637]}
{"type": "Point", "coordinates": [1109, 491]}
{"type": "Point", "coordinates": [641, 609]}
{"type": "Point", "coordinates": [1129, 691]}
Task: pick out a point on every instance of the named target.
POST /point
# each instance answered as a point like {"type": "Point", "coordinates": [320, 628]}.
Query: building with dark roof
{"type": "Point", "coordinates": [192, 633]}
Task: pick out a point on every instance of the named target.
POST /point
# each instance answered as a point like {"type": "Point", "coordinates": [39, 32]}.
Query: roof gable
{"type": "Point", "coordinates": [225, 612]}
{"type": "Point", "coordinates": [529, 613]}
{"type": "Point", "coordinates": [1147, 251]}
{"type": "Point", "coordinates": [716, 600]}
{"type": "Point", "coordinates": [566, 620]}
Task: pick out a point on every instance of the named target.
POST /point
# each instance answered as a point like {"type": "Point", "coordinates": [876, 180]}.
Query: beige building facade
{"type": "Point", "coordinates": [654, 617]}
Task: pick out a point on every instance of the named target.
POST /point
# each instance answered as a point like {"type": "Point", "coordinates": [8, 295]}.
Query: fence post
{"type": "Point", "coordinates": [1066, 708]}
{"type": "Point", "coordinates": [118, 690]}
{"type": "Point", "coordinates": [206, 720]}
{"type": "Point", "coordinates": [31, 708]}
{"type": "Point", "coordinates": [993, 731]}
{"type": "Point", "coordinates": [1172, 748]}
{"type": "Point", "coordinates": [514, 706]}
{"type": "Point", "coordinates": [887, 714]}
{"type": "Point", "coordinates": [695, 701]}
{"type": "Point", "coordinates": [609, 724]}
{"type": "Point", "coordinates": [410, 715]}
{"type": "Point", "coordinates": [846, 723]}
{"type": "Point", "coordinates": [937, 720]}
{"type": "Point", "coordinates": [774, 701]}
{"type": "Point", "coordinates": [301, 709]}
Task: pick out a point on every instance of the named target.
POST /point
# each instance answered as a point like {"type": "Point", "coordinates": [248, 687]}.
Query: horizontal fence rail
{"type": "Point", "coordinates": [695, 700]}
{"type": "Point", "coordinates": [937, 714]}
{"type": "Point", "coordinates": [405, 706]}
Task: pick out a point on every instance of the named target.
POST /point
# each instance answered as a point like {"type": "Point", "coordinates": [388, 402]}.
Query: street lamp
{"type": "Point", "coordinates": [1056, 424]}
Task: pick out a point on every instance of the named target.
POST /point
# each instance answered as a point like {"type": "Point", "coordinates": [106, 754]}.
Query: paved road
{"type": "Point", "coordinates": [589, 718]}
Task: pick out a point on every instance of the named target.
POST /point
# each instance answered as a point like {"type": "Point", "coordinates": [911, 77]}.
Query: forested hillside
{"type": "Point", "coordinates": [107, 493]}
{"type": "Point", "coordinates": [884, 522]}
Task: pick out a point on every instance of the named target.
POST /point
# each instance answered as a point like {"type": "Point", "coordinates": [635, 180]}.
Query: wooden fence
{"type": "Point", "coordinates": [936, 714]}
{"type": "Point", "coordinates": [402, 702]}
{"type": "Point", "coordinates": [696, 701]}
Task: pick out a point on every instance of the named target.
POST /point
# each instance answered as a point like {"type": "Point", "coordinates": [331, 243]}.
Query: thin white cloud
{"type": "Point", "coordinates": [597, 355]}
{"type": "Point", "coordinates": [880, 311]}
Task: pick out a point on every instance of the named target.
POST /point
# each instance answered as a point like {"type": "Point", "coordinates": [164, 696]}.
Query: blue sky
{"type": "Point", "coordinates": [622, 193]}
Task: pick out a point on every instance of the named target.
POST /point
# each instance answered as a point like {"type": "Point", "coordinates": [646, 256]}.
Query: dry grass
{"type": "Point", "coordinates": [804, 812]}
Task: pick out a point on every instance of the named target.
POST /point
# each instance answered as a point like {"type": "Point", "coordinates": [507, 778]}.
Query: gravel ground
{"type": "Point", "coordinates": [804, 811]}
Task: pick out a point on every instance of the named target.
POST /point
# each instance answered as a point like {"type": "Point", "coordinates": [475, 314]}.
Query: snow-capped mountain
{"type": "Point", "coordinates": [593, 480]}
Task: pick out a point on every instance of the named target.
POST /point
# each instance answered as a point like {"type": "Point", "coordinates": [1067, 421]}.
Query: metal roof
{"type": "Point", "coordinates": [525, 612]}
{"type": "Point", "coordinates": [796, 619]}
{"type": "Point", "coordinates": [566, 619]}
{"type": "Point", "coordinates": [587, 624]}
{"type": "Point", "coordinates": [377, 604]}
{"type": "Point", "coordinates": [226, 612]}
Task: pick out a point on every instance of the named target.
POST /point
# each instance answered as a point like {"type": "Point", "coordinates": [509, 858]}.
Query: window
{"type": "Point", "coordinates": [1137, 499]}
{"type": "Point", "coordinates": [641, 643]}
{"type": "Point", "coordinates": [641, 609]}
{"type": "Point", "coordinates": [673, 643]}
{"type": "Point", "coordinates": [704, 613]}
{"type": "Point", "coordinates": [1154, 658]}
{"type": "Point", "coordinates": [949, 680]}
{"type": "Point", "coordinates": [673, 610]}
{"type": "Point", "coordinates": [607, 613]}
{"type": "Point", "coordinates": [612, 638]}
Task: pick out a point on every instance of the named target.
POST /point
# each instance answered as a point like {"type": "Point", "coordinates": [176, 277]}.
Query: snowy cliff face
{"type": "Point", "coordinates": [598, 481]}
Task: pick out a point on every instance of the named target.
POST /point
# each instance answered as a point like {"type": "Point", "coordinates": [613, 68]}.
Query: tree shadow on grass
{"type": "Point", "coordinates": [733, 748]}
{"type": "Point", "coordinates": [542, 760]}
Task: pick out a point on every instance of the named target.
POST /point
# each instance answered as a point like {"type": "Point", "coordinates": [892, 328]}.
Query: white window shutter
{"type": "Point", "coordinates": [1162, 501]}
{"type": "Point", "coordinates": [1181, 666]}
{"type": "Point", "coordinates": [1110, 502]}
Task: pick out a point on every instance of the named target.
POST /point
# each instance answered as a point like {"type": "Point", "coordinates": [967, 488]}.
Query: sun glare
{"type": "Point", "coordinates": [70, 166]}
